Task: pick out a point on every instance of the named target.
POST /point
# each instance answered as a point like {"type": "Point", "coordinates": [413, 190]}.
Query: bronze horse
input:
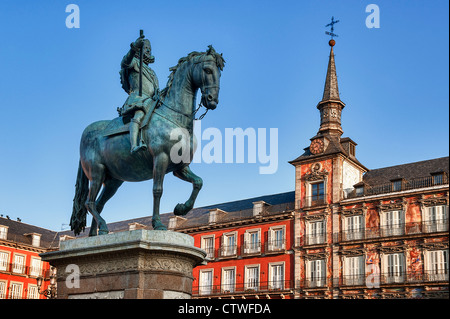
{"type": "Point", "coordinates": [106, 159]}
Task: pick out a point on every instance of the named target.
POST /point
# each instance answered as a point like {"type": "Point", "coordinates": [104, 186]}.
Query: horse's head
{"type": "Point", "coordinates": [206, 76]}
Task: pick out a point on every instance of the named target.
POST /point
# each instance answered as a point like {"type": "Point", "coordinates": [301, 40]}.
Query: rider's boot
{"type": "Point", "coordinates": [134, 132]}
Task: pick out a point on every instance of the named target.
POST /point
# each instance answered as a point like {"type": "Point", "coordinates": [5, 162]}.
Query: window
{"type": "Point", "coordinates": [228, 280]}
{"type": "Point", "coordinates": [3, 232]}
{"type": "Point", "coordinates": [206, 282]}
{"type": "Point", "coordinates": [276, 275]}
{"type": "Point", "coordinates": [354, 228]}
{"type": "Point", "coordinates": [316, 233]}
{"type": "Point", "coordinates": [207, 244]}
{"type": "Point", "coordinates": [436, 218]}
{"type": "Point", "coordinates": [394, 268]}
{"type": "Point", "coordinates": [354, 270]}
{"type": "Point", "coordinates": [33, 292]}
{"type": "Point", "coordinates": [317, 192]}
{"type": "Point", "coordinates": [229, 244]}
{"type": "Point", "coordinates": [15, 290]}
{"type": "Point", "coordinates": [4, 259]}
{"type": "Point", "coordinates": [35, 269]}
{"type": "Point", "coordinates": [276, 239]}
{"type": "Point", "coordinates": [252, 242]}
{"type": "Point", "coordinates": [2, 289]}
{"type": "Point", "coordinates": [396, 185]}
{"type": "Point", "coordinates": [252, 277]}
{"type": "Point", "coordinates": [359, 190]}
{"type": "Point", "coordinates": [392, 223]}
{"type": "Point", "coordinates": [36, 240]}
{"type": "Point", "coordinates": [19, 264]}
{"type": "Point", "coordinates": [438, 178]}
{"type": "Point", "coordinates": [315, 273]}
{"type": "Point", "coordinates": [436, 265]}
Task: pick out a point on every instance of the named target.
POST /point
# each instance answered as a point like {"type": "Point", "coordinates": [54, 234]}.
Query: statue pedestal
{"type": "Point", "coordinates": [138, 264]}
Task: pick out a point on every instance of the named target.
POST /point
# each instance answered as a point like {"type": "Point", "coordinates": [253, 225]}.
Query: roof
{"type": "Point", "coordinates": [17, 232]}
{"type": "Point", "coordinates": [406, 171]}
{"type": "Point", "coordinates": [238, 209]}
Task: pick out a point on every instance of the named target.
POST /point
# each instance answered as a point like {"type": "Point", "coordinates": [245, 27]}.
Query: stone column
{"type": "Point", "coordinates": [138, 264]}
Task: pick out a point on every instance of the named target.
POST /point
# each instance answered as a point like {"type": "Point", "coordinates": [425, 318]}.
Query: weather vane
{"type": "Point", "coordinates": [331, 24]}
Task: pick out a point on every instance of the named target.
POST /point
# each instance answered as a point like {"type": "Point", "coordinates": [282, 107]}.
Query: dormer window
{"type": "Point", "coordinates": [215, 214]}
{"type": "Point", "coordinates": [134, 226]}
{"type": "Point", "coordinates": [3, 232]}
{"type": "Point", "coordinates": [176, 221]}
{"type": "Point", "coordinates": [397, 185]}
{"type": "Point", "coordinates": [259, 208]}
{"type": "Point", "coordinates": [438, 178]}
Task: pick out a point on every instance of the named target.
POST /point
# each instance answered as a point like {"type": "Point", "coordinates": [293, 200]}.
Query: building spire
{"type": "Point", "coordinates": [331, 105]}
{"type": "Point", "coordinates": [331, 90]}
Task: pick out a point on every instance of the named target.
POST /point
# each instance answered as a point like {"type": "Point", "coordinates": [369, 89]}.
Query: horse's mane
{"type": "Point", "coordinates": [220, 62]}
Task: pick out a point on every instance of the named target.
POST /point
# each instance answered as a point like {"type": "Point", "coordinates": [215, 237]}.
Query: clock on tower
{"type": "Point", "coordinates": [317, 146]}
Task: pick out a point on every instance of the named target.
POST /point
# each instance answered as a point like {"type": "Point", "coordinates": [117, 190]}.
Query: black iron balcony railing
{"type": "Point", "coordinates": [243, 288]}
{"type": "Point", "coordinates": [313, 201]}
{"type": "Point", "coordinates": [23, 270]}
{"type": "Point", "coordinates": [398, 186]}
{"type": "Point", "coordinates": [392, 230]}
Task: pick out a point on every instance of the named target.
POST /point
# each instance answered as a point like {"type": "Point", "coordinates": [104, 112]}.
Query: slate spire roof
{"type": "Point", "coordinates": [331, 90]}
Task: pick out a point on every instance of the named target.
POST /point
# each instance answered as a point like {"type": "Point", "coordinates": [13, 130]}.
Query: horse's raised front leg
{"type": "Point", "coordinates": [187, 175]}
{"type": "Point", "coordinates": [160, 164]}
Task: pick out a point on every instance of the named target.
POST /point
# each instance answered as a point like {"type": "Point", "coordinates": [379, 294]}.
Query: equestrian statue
{"type": "Point", "coordinates": [136, 146]}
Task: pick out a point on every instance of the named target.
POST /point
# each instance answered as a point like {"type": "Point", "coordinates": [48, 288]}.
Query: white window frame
{"type": "Point", "coordinates": [228, 279]}
{"type": "Point", "coordinates": [394, 270]}
{"type": "Point", "coordinates": [19, 264]}
{"type": "Point", "coordinates": [205, 281]}
{"type": "Point", "coordinates": [4, 260]}
{"type": "Point", "coordinates": [316, 273]}
{"type": "Point", "coordinates": [436, 218]}
{"type": "Point", "coordinates": [317, 232]}
{"type": "Point", "coordinates": [354, 230]}
{"type": "Point", "coordinates": [35, 267]}
{"type": "Point", "coordinates": [33, 292]}
{"type": "Point", "coordinates": [252, 241]}
{"type": "Point", "coordinates": [227, 249]}
{"type": "Point", "coordinates": [15, 290]}
{"type": "Point", "coordinates": [277, 275]}
{"type": "Point", "coordinates": [274, 242]}
{"type": "Point", "coordinates": [252, 277]}
{"type": "Point", "coordinates": [354, 270]}
{"type": "Point", "coordinates": [393, 223]}
{"type": "Point", "coordinates": [3, 232]}
{"type": "Point", "coordinates": [204, 241]}
{"type": "Point", "coordinates": [3, 288]}
{"type": "Point", "coordinates": [436, 265]}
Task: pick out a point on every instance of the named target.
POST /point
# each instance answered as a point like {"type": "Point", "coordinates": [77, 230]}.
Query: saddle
{"type": "Point", "coordinates": [120, 125]}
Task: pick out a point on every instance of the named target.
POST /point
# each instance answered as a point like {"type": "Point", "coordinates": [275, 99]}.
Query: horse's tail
{"type": "Point", "coordinates": [79, 211]}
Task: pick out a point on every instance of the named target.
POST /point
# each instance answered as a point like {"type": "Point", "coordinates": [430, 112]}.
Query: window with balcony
{"type": "Point", "coordinates": [205, 282]}
{"type": "Point", "coordinates": [315, 273]}
{"type": "Point", "coordinates": [32, 292]}
{"type": "Point", "coordinates": [252, 278]}
{"type": "Point", "coordinates": [229, 244]}
{"type": "Point", "coordinates": [353, 227]}
{"type": "Point", "coordinates": [276, 239]}
{"type": "Point", "coordinates": [317, 193]}
{"type": "Point", "coordinates": [36, 265]}
{"type": "Point", "coordinates": [4, 260]}
{"type": "Point", "coordinates": [252, 241]}
{"type": "Point", "coordinates": [3, 289]}
{"type": "Point", "coordinates": [436, 265]}
{"type": "Point", "coordinates": [228, 280]}
{"type": "Point", "coordinates": [394, 268]}
{"type": "Point", "coordinates": [436, 219]}
{"type": "Point", "coordinates": [316, 232]}
{"type": "Point", "coordinates": [354, 270]}
{"type": "Point", "coordinates": [19, 264]}
{"type": "Point", "coordinates": [393, 223]}
{"type": "Point", "coordinates": [15, 290]}
{"type": "Point", "coordinates": [207, 244]}
{"type": "Point", "coordinates": [276, 276]}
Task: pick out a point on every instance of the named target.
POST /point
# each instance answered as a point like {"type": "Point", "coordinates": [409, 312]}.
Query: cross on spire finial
{"type": "Point", "coordinates": [331, 24]}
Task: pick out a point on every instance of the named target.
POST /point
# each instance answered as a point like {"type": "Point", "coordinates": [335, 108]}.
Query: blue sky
{"type": "Point", "coordinates": [55, 81]}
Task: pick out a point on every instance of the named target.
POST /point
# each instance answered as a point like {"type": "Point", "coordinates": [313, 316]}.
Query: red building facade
{"type": "Point", "coordinates": [20, 264]}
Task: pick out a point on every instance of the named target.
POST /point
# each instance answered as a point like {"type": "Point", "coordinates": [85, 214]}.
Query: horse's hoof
{"type": "Point", "coordinates": [158, 226]}
{"type": "Point", "coordinates": [103, 232]}
{"type": "Point", "coordinates": [181, 210]}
